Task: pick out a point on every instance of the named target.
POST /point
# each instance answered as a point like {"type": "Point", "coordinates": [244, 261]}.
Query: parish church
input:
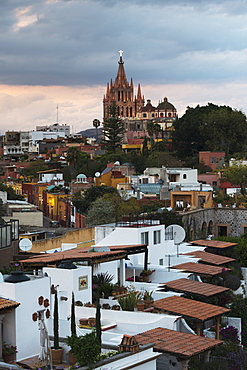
{"type": "Point", "coordinates": [131, 107]}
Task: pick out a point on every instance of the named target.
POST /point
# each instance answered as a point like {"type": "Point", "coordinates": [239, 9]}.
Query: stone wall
{"type": "Point", "coordinates": [202, 222]}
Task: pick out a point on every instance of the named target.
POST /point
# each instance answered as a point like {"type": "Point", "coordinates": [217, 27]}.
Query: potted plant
{"type": "Point", "coordinates": [86, 348]}
{"type": "Point", "coordinates": [8, 352]}
{"type": "Point", "coordinates": [106, 306]}
{"type": "Point", "coordinates": [116, 307]}
{"type": "Point", "coordinates": [128, 302]}
{"type": "Point", "coordinates": [146, 273]}
{"type": "Point", "coordinates": [148, 298]}
{"type": "Point", "coordinates": [56, 350]}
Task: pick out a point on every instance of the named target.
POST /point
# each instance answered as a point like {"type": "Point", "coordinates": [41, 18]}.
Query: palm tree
{"type": "Point", "coordinates": [72, 158]}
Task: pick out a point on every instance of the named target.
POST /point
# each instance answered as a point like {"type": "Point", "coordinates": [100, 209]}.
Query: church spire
{"type": "Point", "coordinates": [139, 94]}
{"type": "Point", "coordinates": [121, 80]}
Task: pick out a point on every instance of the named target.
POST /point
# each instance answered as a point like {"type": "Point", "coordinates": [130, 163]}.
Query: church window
{"type": "Point", "coordinates": [152, 114]}
{"type": "Point", "coordinates": [161, 114]}
{"type": "Point", "coordinates": [119, 96]}
{"type": "Point", "coordinates": [127, 112]}
{"type": "Point", "coordinates": [144, 115]}
{"type": "Point", "coordinates": [130, 112]}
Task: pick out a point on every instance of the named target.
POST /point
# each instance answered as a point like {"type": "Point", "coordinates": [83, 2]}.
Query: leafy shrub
{"type": "Point", "coordinates": [229, 334]}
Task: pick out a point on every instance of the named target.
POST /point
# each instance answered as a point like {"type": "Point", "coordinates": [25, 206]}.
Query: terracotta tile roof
{"type": "Point", "coordinates": [182, 345]}
{"type": "Point", "coordinates": [195, 287]}
{"type": "Point", "coordinates": [73, 255]}
{"type": "Point", "coordinates": [214, 259]}
{"type": "Point", "coordinates": [199, 268]}
{"type": "Point", "coordinates": [7, 303]}
{"type": "Point", "coordinates": [127, 247]}
{"type": "Point", "coordinates": [189, 308]}
{"type": "Point", "coordinates": [213, 243]}
{"type": "Point", "coordinates": [82, 254]}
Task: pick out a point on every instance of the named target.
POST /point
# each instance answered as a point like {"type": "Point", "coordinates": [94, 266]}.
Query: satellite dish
{"type": "Point", "coordinates": [99, 249]}
{"type": "Point", "coordinates": [178, 233]}
{"type": "Point", "coordinates": [97, 174]}
{"type": "Point", "coordinates": [25, 244]}
{"type": "Point", "coordinates": [117, 163]}
{"type": "Point", "coordinates": [104, 249]}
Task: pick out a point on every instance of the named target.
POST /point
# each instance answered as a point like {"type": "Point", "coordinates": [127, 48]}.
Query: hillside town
{"type": "Point", "coordinates": [124, 246]}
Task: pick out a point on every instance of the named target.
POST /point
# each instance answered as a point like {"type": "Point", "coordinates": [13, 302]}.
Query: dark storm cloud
{"type": "Point", "coordinates": [76, 42]}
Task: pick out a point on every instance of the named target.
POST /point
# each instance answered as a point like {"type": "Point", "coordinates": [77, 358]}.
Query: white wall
{"type": "Point", "coordinates": [135, 361]}
{"type": "Point", "coordinates": [3, 196]}
{"type": "Point", "coordinates": [68, 282]}
{"type": "Point", "coordinates": [23, 331]}
{"type": "Point", "coordinates": [109, 267]}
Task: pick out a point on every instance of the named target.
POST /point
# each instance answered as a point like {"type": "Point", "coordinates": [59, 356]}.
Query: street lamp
{"type": "Point", "coordinates": [96, 124]}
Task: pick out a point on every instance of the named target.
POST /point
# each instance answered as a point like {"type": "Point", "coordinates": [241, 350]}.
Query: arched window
{"type": "Point", "coordinates": [210, 228]}
{"type": "Point", "coordinates": [204, 229]}
{"type": "Point", "coordinates": [161, 114]}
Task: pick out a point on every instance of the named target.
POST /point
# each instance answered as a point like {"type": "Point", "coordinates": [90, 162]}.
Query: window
{"type": "Point", "coordinates": [184, 176]}
{"type": "Point", "coordinates": [161, 262]}
{"type": "Point", "coordinates": [157, 237]}
{"type": "Point", "coordinates": [214, 183]}
{"type": "Point", "coordinates": [222, 230]}
{"type": "Point", "coordinates": [145, 180]}
{"type": "Point", "coordinates": [144, 238]}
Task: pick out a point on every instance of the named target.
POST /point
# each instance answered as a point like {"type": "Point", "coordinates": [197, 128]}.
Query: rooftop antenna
{"type": "Point", "coordinates": [178, 234]}
{"type": "Point", "coordinates": [57, 113]}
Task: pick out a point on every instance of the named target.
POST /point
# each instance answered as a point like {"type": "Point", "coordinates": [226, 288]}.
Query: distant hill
{"type": "Point", "coordinates": [91, 132]}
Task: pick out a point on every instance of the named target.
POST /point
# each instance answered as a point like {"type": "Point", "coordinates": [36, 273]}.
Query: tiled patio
{"type": "Point", "coordinates": [34, 363]}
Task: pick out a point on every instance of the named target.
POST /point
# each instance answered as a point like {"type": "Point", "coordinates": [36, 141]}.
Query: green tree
{"type": "Point", "coordinates": [121, 205]}
{"type": "Point", "coordinates": [209, 127]}
{"type": "Point", "coordinates": [101, 212]}
{"type": "Point", "coordinates": [72, 158]}
{"type": "Point", "coordinates": [236, 175]}
{"type": "Point", "coordinates": [151, 131]}
{"type": "Point", "coordinates": [113, 130]}
{"type": "Point", "coordinates": [33, 168]}
{"type": "Point", "coordinates": [83, 202]}
{"type": "Point", "coordinates": [11, 194]}
{"type": "Point", "coordinates": [225, 130]}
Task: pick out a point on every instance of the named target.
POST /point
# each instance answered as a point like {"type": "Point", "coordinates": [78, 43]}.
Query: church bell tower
{"type": "Point", "coordinates": [121, 92]}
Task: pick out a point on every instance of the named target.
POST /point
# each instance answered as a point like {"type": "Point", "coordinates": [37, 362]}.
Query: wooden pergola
{"type": "Point", "coordinates": [193, 287]}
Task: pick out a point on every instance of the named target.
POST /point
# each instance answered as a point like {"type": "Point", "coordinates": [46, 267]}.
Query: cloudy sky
{"type": "Point", "coordinates": [65, 51]}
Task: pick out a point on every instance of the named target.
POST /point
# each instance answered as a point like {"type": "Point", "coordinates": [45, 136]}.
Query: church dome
{"type": "Point", "coordinates": [166, 105]}
{"type": "Point", "coordinates": [81, 178]}
{"type": "Point", "coordinates": [148, 107]}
